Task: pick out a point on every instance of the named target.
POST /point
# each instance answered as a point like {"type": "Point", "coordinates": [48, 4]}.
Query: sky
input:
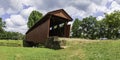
{"type": "Point", "coordinates": [16, 12]}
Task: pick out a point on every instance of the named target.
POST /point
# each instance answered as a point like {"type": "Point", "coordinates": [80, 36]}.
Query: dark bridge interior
{"type": "Point", "coordinates": [57, 26]}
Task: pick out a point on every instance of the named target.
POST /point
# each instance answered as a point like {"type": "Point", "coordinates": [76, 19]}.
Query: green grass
{"type": "Point", "coordinates": [77, 49]}
{"type": "Point", "coordinates": [13, 43]}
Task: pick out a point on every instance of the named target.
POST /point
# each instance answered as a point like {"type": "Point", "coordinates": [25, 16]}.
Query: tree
{"type": "Point", "coordinates": [112, 22]}
{"type": "Point", "coordinates": [102, 32]}
{"type": "Point", "coordinates": [75, 28]}
{"type": "Point", "coordinates": [2, 24]}
{"type": "Point", "coordinates": [34, 17]}
{"type": "Point", "coordinates": [89, 27]}
{"type": "Point", "coordinates": [11, 35]}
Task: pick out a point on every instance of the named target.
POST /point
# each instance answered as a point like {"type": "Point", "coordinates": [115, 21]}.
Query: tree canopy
{"type": "Point", "coordinates": [75, 28]}
{"type": "Point", "coordinates": [112, 22]}
{"type": "Point", "coordinates": [91, 28]}
{"type": "Point", "coordinates": [2, 24]}
{"type": "Point", "coordinates": [34, 17]}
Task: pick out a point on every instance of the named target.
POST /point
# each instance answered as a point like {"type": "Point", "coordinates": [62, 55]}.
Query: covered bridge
{"type": "Point", "coordinates": [54, 23]}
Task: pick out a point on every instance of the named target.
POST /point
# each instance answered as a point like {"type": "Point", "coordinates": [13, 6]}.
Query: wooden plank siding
{"type": "Point", "coordinates": [39, 34]}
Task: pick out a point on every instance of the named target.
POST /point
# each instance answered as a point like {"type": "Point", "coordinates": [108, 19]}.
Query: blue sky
{"type": "Point", "coordinates": [15, 12]}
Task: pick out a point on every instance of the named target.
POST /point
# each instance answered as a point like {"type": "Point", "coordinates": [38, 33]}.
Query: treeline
{"type": "Point", "coordinates": [9, 35]}
{"type": "Point", "coordinates": [91, 28]}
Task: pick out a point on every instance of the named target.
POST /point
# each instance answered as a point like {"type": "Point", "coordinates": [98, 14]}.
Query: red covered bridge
{"type": "Point", "coordinates": [54, 23]}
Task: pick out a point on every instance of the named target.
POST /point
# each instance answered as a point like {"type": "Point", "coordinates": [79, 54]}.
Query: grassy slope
{"type": "Point", "coordinates": [76, 50]}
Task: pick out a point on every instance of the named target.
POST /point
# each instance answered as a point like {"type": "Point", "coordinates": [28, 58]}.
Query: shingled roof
{"type": "Point", "coordinates": [48, 15]}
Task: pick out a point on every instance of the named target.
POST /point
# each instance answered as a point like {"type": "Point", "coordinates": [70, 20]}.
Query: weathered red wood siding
{"type": "Point", "coordinates": [67, 31]}
{"type": "Point", "coordinates": [39, 34]}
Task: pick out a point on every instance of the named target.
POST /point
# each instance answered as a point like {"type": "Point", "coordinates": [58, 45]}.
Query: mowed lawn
{"type": "Point", "coordinates": [77, 49]}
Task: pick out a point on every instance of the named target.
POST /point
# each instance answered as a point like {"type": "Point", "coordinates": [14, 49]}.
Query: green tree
{"type": "Point", "coordinates": [112, 22]}
{"type": "Point", "coordinates": [102, 32]}
{"type": "Point", "coordinates": [2, 24]}
{"type": "Point", "coordinates": [89, 27]}
{"type": "Point", "coordinates": [34, 17]}
{"type": "Point", "coordinates": [75, 28]}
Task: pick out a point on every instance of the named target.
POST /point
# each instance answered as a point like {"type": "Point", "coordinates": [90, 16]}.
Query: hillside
{"type": "Point", "coordinates": [76, 49]}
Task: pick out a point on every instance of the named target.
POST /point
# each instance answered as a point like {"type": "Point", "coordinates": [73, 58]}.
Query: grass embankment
{"type": "Point", "coordinates": [77, 49]}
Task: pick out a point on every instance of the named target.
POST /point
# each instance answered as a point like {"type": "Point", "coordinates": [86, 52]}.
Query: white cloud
{"type": "Point", "coordinates": [9, 23]}
{"type": "Point", "coordinates": [18, 4]}
{"type": "Point", "coordinates": [20, 29]}
{"type": "Point", "coordinates": [16, 23]}
{"type": "Point", "coordinates": [94, 8]}
{"type": "Point", "coordinates": [114, 6]}
{"type": "Point", "coordinates": [18, 20]}
{"type": "Point", "coordinates": [74, 12]}
{"type": "Point", "coordinates": [26, 12]}
{"type": "Point", "coordinates": [2, 11]}
{"type": "Point", "coordinates": [81, 5]}
{"type": "Point", "coordinates": [100, 17]}
{"type": "Point", "coordinates": [100, 2]}
{"type": "Point", "coordinates": [10, 11]}
{"type": "Point", "coordinates": [118, 1]}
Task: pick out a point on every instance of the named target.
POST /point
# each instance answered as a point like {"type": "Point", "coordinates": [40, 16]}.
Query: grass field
{"type": "Point", "coordinates": [12, 43]}
{"type": "Point", "coordinates": [77, 49]}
